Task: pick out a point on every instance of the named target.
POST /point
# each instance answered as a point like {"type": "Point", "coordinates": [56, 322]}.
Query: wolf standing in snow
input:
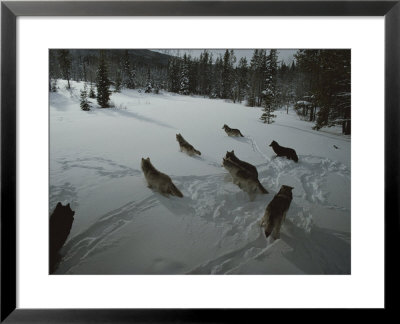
{"type": "Point", "coordinates": [244, 165]}
{"type": "Point", "coordinates": [284, 151]}
{"type": "Point", "coordinates": [275, 212]}
{"type": "Point", "coordinates": [232, 131]}
{"type": "Point", "coordinates": [59, 228]}
{"type": "Point", "coordinates": [244, 179]}
{"type": "Point", "coordinates": [159, 181]}
{"type": "Point", "coordinates": [185, 146]}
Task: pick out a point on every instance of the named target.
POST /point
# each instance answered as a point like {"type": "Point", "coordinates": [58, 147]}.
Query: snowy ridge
{"type": "Point", "coordinates": [121, 226]}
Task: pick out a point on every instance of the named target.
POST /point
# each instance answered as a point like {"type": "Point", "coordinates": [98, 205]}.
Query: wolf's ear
{"type": "Point", "coordinates": [59, 204]}
{"type": "Point", "coordinates": [148, 159]}
{"type": "Point", "coordinates": [68, 206]}
{"type": "Point", "coordinates": [233, 152]}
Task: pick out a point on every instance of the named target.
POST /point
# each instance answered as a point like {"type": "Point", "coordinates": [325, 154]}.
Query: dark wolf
{"type": "Point", "coordinates": [232, 131]}
{"type": "Point", "coordinates": [284, 151]}
{"type": "Point", "coordinates": [159, 181]}
{"type": "Point", "coordinates": [185, 146]}
{"type": "Point", "coordinates": [59, 228]}
{"type": "Point", "coordinates": [275, 212]}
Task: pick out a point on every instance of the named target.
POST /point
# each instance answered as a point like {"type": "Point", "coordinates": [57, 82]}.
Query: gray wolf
{"type": "Point", "coordinates": [275, 212]}
{"type": "Point", "coordinates": [59, 228]}
{"type": "Point", "coordinates": [244, 179]}
{"type": "Point", "coordinates": [232, 131]}
{"type": "Point", "coordinates": [284, 151]}
{"type": "Point", "coordinates": [159, 181]}
{"type": "Point", "coordinates": [185, 146]}
{"type": "Point", "coordinates": [244, 165]}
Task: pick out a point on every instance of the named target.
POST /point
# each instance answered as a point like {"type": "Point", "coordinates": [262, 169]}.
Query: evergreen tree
{"type": "Point", "coordinates": [149, 83]}
{"type": "Point", "coordinates": [242, 79]}
{"type": "Point", "coordinates": [205, 73]}
{"type": "Point", "coordinates": [269, 85]}
{"type": "Point", "coordinates": [227, 74]}
{"type": "Point", "coordinates": [128, 74]}
{"type": "Point", "coordinates": [91, 92]}
{"type": "Point", "coordinates": [193, 74]}
{"type": "Point", "coordinates": [118, 81]}
{"type": "Point", "coordinates": [217, 78]}
{"type": "Point", "coordinates": [269, 92]}
{"type": "Point", "coordinates": [267, 116]}
{"type": "Point", "coordinates": [174, 74]}
{"type": "Point", "coordinates": [84, 103]}
{"type": "Point", "coordinates": [65, 65]}
{"type": "Point", "coordinates": [184, 79]}
{"type": "Point", "coordinates": [103, 82]}
{"type": "Point", "coordinates": [258, 71]}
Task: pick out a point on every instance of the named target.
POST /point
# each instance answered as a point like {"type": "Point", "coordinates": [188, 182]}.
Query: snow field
{"type": "Point", "coordinates": [122, 227]}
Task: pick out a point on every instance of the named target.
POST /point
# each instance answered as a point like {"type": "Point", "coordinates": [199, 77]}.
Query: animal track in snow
{"type": "Point", "coordinates": [95, 239]}
{"type": "Point", "coordinates": [103, 167]}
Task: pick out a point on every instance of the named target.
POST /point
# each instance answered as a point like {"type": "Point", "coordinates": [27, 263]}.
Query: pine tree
{"type": "Point", "coordinates": [149, 83]}
{"type": "Point", "coordinates": [64, 60]}
{"type": "Point", "coordinates": [258, 71]}
{"type": "Point", "coordinates": [103, 82]}
{"type": "Point", "coordinates": [91, 92]}
{"type": "Point", "coordinates": [84, 103]}
{"type": "Point", "coordinates": [205, 73]}
{"type": "Point", "coordinates": [174, 74]}
{"type": "Point", "coordinates": [269, 92]}
{"type": "Point", "coordinates": [118, 81]}
{"type": "Point", "coordinates": [128, 74]}
{"type": "Point", "coordinates": [267, 116]}
{"type": "Point", "coordinates": [184, 79]}
{"type": "Point", "coordinates": [242, 79]}
{"type": "Point", "coordinates": [193, 74]}
{"type": "Point", "coordinates": [227, 74]}
{"type": "Point", "coordinates": [217, 78]}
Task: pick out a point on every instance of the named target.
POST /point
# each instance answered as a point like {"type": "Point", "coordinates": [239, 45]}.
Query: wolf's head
{"type": "Point", "coordinates": [225, 126]}
{"type": "Point", "coordinates": [65, 210]}
{"type": "Point", "coordinates": [146, 162]}
{"type": "Point", "coordinates": [286, 190]}
{"type": "Point", "coordinates": [230, 154]}
{"type": "Point", "coordinates": [178, 137]}
{"type": "Point", "coordinates": [273, 143]}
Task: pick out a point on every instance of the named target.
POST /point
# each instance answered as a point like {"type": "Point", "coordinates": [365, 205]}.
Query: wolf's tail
{"type": "Point", "coordinates": [262, 189]}
{"type": "Point", "coordinates": [175, 191]}
{"type": "Point", "coordinates": [268, 229]}
{"type": "Point", "coordinates": [197, 152]}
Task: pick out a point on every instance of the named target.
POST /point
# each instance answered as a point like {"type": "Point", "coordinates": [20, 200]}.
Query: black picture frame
{"type": "Point", "coordinates": [11, 10]}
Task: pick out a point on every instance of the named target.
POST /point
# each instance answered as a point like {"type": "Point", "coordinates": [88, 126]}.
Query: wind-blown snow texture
{"type": "Point", "coordinates": [123, 227]}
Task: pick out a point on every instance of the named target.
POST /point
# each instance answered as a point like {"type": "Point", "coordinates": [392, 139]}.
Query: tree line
{"type": "Point", "coordinates": [317, 83]}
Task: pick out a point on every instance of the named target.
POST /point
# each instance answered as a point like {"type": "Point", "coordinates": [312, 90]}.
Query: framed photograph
{"type": "Point", "coordinates": [187, 160]}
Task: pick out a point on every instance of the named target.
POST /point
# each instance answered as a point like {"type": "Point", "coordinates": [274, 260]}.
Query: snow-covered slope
{"type": "Point", "coordinates": [123, 227]}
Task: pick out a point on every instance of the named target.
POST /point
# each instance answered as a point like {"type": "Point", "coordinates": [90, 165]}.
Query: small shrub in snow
{"type": "Point", "coordinates": [84, 100]}
{"type": "Point", "coordinates": [91, 92]}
